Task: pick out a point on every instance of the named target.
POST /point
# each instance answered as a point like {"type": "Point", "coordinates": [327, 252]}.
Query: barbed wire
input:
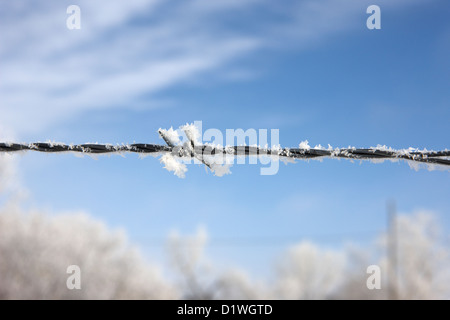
{"type": "Point", "coordinates": [433, 157]}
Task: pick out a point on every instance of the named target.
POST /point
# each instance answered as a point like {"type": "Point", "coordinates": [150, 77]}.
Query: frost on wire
{"type": "Point", "coordinates": [185, 145]}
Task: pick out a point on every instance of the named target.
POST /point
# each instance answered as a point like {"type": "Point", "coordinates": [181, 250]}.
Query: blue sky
{"type": "Point", "coordinates": [308, 68]}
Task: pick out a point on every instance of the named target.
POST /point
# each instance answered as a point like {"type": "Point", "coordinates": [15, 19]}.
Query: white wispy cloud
{"type": "Point", "coordinates": [127, 49]}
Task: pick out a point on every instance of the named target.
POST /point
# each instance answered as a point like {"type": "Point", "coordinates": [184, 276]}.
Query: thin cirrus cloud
{"type": "Point", "coordinates": [126, 50]}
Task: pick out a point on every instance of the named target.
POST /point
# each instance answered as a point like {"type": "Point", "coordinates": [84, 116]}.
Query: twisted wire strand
{"type": "Point", "coordinates": [83, 148]}
{"type": "Point", "coordinates": [434, 157]}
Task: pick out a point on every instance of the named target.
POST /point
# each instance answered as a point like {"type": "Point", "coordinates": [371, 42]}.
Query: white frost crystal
{"type": "Point", "coordinates": [171, 164]}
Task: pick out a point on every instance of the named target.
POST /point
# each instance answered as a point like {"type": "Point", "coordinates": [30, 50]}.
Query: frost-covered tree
{"type": "Point", "coordinates": [237, 284]}
{"type": "Point", "coordinates": [36, 250]}
{"type": "Point", "coordinates": [200, 278]}
{"type": "Point", "coordinates": [308, 272]}
{"type": "Point", "coordinates": [6, 171]}
{"type": "Point", "coordinates": [188, 260]}
{"type": "Point", "coordinates": [423, 268]}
